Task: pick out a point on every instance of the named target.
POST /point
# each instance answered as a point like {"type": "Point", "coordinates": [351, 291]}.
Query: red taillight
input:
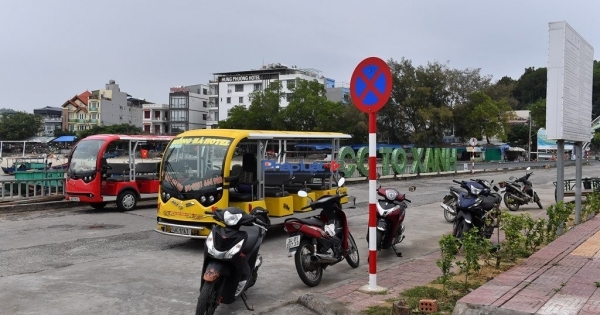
{"type": "Point", "coordinates": [249, 208]}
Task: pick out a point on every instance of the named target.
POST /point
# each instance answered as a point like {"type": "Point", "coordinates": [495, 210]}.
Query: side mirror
{"type": "Point", "coordinates": [412, 188]}
{"type": "Point", "coordinates": [341, 182]}
{"type": "Point", "coordinates": [528, 168]}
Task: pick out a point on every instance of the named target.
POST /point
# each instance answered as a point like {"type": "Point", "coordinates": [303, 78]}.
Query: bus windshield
{"type": "Point", "coordinates": [85, 156]}
{"type": "Point", "coordinates": [194, 164]}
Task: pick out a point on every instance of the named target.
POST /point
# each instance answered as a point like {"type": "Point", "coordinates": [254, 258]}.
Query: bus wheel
{"type": "Point", "coordinates": [98, 205]}
{"type": "Point", "coordinates": [126, 200]}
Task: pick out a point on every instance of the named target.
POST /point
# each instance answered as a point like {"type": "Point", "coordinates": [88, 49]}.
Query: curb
{"type": "Point", "coordinates": [325, 306]}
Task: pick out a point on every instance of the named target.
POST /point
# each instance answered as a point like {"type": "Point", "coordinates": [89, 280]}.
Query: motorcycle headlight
{"type": "Point", "coordinates": [486, 184]}
{"type": "Point", "coordinates": [234, 250]}
{"type": "Point", "coordinates": [231, 219]}
{"type": "Point", "coordinates": [475, 190]}
{"type": "Point", "coordinates": [210, 244]}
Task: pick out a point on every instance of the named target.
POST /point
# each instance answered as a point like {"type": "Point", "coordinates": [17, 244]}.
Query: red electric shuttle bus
{"type": "Point", "coordinates": [118, 168]}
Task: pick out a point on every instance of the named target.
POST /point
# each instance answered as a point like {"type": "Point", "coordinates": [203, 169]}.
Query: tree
{"type": "Point", "coordinates": [503, 90]}
{"type": "Point", "coordinates": [595, 142]}
{"type": "Point", "coordinates": [538, 113]}
{"type": "Point", "coordinates": [489, 118]}
{"type": "Point", "coordinates": [531, 86]}
{"type": "Point", "coordinates": [596, 90]}
{"type": "Point", "coordinates": [238, 119]}
{"type": "Point", "coordinates": [309, 109]}
{"type": "Point", "coordinates": [19, 125]}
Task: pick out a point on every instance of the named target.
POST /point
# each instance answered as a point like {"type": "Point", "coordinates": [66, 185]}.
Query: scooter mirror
{"type": "Point", "coordinates": [412, 188]}
{"type": "Point", "coordinates": [302, 193]}
{"type": "Point", "coordinates": [341, 182]}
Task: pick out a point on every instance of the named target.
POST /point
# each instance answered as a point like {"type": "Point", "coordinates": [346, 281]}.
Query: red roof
{"type": "Point", "coordinates": [83, 97]}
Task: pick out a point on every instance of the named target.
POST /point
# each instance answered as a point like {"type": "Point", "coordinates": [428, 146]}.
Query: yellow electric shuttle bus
{"type": "Point", "coordinates": [206, 169]}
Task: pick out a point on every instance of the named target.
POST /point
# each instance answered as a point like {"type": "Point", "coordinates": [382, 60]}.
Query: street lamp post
{"type": "Point", "coordinates": [529, 139]}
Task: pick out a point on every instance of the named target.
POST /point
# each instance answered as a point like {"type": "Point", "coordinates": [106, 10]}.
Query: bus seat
{"type": "Point", "coordinates": [275, 182]}
{"type": "Point", "coordinates": [146, 171]}
{"type": "Point", "coordinates": [119, 172]}
{"type": "Point", "coordinates": [246, 185]}
{"type": "Point", "coordinates": [299, 182]}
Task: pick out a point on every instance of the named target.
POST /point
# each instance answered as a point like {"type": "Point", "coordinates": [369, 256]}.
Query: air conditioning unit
{"type": "Point", "coordinates": [229, 91]}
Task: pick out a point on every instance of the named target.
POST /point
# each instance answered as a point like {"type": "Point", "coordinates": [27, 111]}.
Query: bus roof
{"type": "Point", "coordinates": [263, 134]}
{"type": "Point", "coordinates": [129, 137]}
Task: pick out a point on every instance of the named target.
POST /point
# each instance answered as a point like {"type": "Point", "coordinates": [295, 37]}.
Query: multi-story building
{"type": "Point", "coordinates": [52, 119]}
{"type": "Point", "coordinates": [75, 113]}
{"type": "Point", "coordinates": [188, 108]}
{"type": "Point", "coordinates": [156, 118]}
{"type": "Point", "coordinates": [102, 108]}
{"type": "Point", "coordinates": [338, 94]}
{"type": "Point", "coordinates": [229, 89]}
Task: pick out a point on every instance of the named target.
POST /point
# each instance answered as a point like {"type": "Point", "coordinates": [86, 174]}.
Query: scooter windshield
{"type": "Point", "coordinates": [194, 164]}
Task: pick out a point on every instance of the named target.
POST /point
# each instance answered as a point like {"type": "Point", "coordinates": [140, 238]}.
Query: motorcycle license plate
{"type": "Point", "coordinates": [181, 231]}
{"type": "Point", "coordinates": [292, 242]}
{"type": "Point", "coordinates": [74, 199]}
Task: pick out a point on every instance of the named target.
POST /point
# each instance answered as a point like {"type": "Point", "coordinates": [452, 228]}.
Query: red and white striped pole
{"type": "Point", "coordinates": [372, 201]}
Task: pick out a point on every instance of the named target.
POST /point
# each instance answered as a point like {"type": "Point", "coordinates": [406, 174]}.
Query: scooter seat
{"type": "Point", "coordinates": [458, 190]}
{"type": "Point", "coordinates": [253, 233]}
{"type": "Point", "coordinates": [313, 221]}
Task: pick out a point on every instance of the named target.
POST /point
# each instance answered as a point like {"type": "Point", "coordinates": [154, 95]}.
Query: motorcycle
{"type": "Point", "coordinates": [519, 192]}
{"type": "Point", "coordinates": [478, 207]}
{"type": "Point", "coordinates": [321, 241]}
{"type": "Point", "coordinates": [391, 210]}
{"type": "Point", "coordinates": [231, 258]}
{"type": "Point", "coordinates": [451, 199]}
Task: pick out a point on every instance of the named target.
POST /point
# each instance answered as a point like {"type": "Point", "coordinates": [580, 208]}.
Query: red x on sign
{"type": "Point", "coordinates": [371, 85]}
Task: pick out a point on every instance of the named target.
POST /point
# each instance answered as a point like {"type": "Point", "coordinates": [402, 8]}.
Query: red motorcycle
{"type": "Point", "coordinates": [391, 210]}
{"type": "Point", "coordinates": [321, 241]}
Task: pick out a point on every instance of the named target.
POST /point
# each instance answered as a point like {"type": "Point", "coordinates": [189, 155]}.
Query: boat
{"type": "Point", "coordinates": [25, 165]}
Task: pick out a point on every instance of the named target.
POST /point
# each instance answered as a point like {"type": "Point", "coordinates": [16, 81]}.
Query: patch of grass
{"type": "Point", "coordinates": [378, 310]}
{"type": "Point", "coordinates": [597, 284]}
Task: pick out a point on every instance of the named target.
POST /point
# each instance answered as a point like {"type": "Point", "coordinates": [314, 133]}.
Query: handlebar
{"type": "Point", "coordinates": [454, 180]}
{"type": "Point", "coordinates": [407, 200]}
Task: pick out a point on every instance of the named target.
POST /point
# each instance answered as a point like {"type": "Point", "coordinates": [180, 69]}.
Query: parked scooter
{"type": "Point", "coordinates": [231, 258]}
{"type": "Point", "coordinates": [321, 241]}
{"type": "Point", "coordinates": [519, 192]}
{"type": "Point", "coordinates": [478, 207]}
{"type": "Point", "coordinates": [451, 199]}
{"type": "Point", "coordinates": [391, 210]}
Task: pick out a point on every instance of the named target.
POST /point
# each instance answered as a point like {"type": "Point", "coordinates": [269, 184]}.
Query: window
{"type": "Point", "coordinates": [241, 100]}
{"type": "Point", "coordinates": [147, 114]}
{"type": "Point", "coordinates": [204, 91]}
{"type": "Point", "coordinates": [257, 86]}
{"type": "Point", "coordinates": [178, 115]}
{"type": "Point", "coordinates": [204, 104]}
{"type": "Point", "coordinates": [239, 88]}
{"type": "Point", "coordinates": [94, 116]}
{"type": "Point", "coordinates": [288, 97]}
{"type": "Point", "coordinates": [81, 116]}
{"type": "Point", "coordinates": [203, 116]}
{"type": "Point", "coordinates": [229, 100]}
{"type": "Point", "coordinates": [291, 84]}
{"type": "Point", "coordinates": [178, 102]}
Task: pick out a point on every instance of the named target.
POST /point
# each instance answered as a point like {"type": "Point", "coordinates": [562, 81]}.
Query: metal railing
{"type": "Point", "coordinates": [20, 189]}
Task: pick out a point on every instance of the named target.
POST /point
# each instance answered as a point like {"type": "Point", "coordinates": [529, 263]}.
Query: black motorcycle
{"type": "Point", "coordinates": [451, 199]}
{"type": "Point", "coordinates": [519, 192]}
{"type": "Point", "coordinates": [477, 207]}
{"type": "Point", "coordinates": [231, 258]}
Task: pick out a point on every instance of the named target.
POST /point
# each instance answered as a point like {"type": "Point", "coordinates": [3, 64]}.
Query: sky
{"type": "Point", "coordinates": [51, 50]}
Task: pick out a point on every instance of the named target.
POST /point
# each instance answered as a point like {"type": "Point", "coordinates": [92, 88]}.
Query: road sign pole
{"type": "Point", "coordinates": [473, 161]}
{"type": "Point", "coordinates": [372, 201]}
{"type": "Point", "coordinates": [370, 89]}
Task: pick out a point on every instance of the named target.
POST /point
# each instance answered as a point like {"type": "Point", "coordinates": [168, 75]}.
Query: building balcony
{"type": "Point", "coordinates": [93, 109]}
{"type": "Point", "coordinates": [52, 119]}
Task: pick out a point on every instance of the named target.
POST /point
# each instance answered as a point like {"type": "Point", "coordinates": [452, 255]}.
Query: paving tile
{"type": "Point", "coordinates": [522, 303]}
{"type": "Point", "coordinates": [562, 304]}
